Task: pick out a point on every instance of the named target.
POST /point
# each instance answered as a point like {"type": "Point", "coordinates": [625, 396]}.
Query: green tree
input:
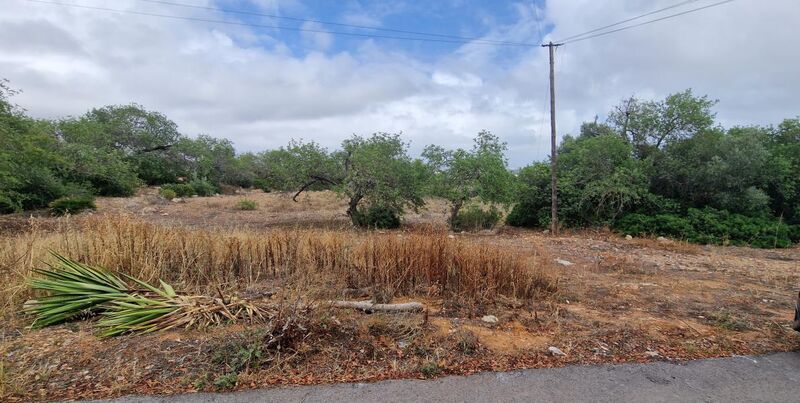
{"type": "Point", "coordinates": [145, 138]}
{"type": "Point", "coordinates": [378, 170]}
{"type": "Point", "coordinates": [480, 173]}
{"type": "Point", "coordinates": [299, 165]}
{"type": "Point", "coordinates": [599, 181]}
{"type": "Point", "coordinates": [724, 170]}
{"type": "Point", "coordinates": [650, 125]}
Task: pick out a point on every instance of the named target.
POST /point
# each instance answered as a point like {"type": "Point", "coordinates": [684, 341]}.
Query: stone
{"type": "Point", "coordinates": [564, 262]}
{"type": "Point", "coordinates": [628, 237]}
{"type": "Point", "coordinates": [489, 319]}
{"type": "Point", "coordinates": [652, 354]}
{"type": "Point", "coordinates": [555, 351]}
{"type": "Point", "coordinates": [177, 200]}
{"type": "Point", "coordinates": [662, 239]}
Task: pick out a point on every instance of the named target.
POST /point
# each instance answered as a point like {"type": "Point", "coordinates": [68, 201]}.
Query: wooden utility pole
{"type": "Point", "coordinates": [553, 151]}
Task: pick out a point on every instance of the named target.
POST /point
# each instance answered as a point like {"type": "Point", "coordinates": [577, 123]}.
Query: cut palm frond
{"type": "Point", "coordinates": [75, 289]}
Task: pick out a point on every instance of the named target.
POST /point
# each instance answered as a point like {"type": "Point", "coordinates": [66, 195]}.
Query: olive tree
{"type": "Point", "coordinates": [463, 175]}
{"type": "Point", "coordinates": [375, 171]}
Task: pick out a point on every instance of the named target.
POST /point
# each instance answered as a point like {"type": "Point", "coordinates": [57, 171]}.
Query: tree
{"type": "Point", "coordinates": [299, 165]}
{"type": "Point", "coordinates": [145, 138]}
{"type": "Point", "coordinates": [649, 125]}
{"type": "Point", "coordinates": [600, 181]}
{"type": "Point", "coordinates": [594, 129]}
{"type": "Point", "coordinates": [724, 170]}
{"type": "Point", "coordinates": [375, 170]}
{"type": "Point", "coordinates": [783, 186]}
{"type": "Point", "coordinates": [379, 171]}
{"type": "Point", "coordinates": [460, 175]}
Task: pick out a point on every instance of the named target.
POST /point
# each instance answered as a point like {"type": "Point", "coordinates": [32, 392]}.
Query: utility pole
{"type": "Point", "coordinates": [553, 152]}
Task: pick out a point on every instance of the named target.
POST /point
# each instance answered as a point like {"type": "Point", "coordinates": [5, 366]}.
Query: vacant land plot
{"type": "Point", "coordinates": [496, 300]}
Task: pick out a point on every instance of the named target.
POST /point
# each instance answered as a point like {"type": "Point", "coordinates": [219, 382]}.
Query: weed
{"type": "Point", "coordinates": [227, 381]}
{"type": "Point", "coordinates": [429, 369]}
{"type": "Point", "coordinates": [726, 320]}
{"type": "Point", "coordinates": [465, 341]}
{"type": "Point", "coordinates": [246, 204]}
{"type": "Point", "coordinates": [240, 354]}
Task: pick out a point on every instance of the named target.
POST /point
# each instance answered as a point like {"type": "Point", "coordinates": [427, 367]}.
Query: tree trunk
{"type": "Point", "coordinates": [454, 209]}
{"type": "Point", "coordinates": [352, 207]}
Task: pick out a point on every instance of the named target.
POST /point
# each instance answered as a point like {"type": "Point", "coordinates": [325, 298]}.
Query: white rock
{"type": "Point", "coordinates": [662, 239]}
{"type": "Point", "coordinates": [555, 351]}
{"type": "Point", "coordinates": [177, 200]}
{"type": "Point", "coordinates": [451, 236]}
{"type": "Point", "coordinates": [628, 237]}
{"type": "Point", "coordinates": [489, 319]}
{"type": "Point", "coordinates": [564, 262]}
{"type": "Point", "coordinates": [652, 354]}
{"type": "Point", "coordinates": [547, 231]}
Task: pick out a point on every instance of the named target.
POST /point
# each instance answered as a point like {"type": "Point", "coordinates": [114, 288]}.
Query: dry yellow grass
{"type": "Point", "coordinates": [201, 260]}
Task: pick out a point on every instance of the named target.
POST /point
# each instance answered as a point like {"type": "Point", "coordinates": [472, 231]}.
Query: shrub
{"type": "Point", "coordinates": [474, 218]}
{"type": "Point", "coordinates": [203, 187]}
{"type": "Point", "coordinates": [72, 205]}
{"type": "Point", "coordinates": [711, 226]}
{"type": "Point", "coordinates": [180, 189]}
{"type": "Point", "coordinates": [377, 216]}
{"type": "Point", "coordinates": [9, 203]}
{"type": "Point", "coordinates": [168, 194]}
{"type": "Point", "coordinates": [246, 204]}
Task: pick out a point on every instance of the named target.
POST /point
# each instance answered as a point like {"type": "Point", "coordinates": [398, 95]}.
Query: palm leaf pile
{"type": "Point", "coordinates": [75, 290]}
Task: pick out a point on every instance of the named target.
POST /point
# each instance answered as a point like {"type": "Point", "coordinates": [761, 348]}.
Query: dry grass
{"type": "Point", "coordinates": [201, 260]}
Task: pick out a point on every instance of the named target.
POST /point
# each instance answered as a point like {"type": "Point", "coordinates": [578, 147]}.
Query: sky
{"type": "Point", "coordinates": [262, 86]}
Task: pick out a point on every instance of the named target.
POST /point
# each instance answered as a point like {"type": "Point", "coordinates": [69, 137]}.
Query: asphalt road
{"type": "Point", "coordinates": [770, 378]}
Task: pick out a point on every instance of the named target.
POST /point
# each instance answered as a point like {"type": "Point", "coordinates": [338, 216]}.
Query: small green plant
{"type": "Point", "coordinates": [203, 187]}
{"type": "Point", "coordinates": [246, 204]}
{"type": "Point", "coordinates": [473, 218]}
{"type": "Point", "coordinates": [168, 194]}
{"type": "Point", "coordinates": [72, 205]}
{"type": "Point", "coordinates": [429, 369]}
{"type": "Point", "coordinates": [376, 216]}
{"type": "Point", "coordinates": [725, 320]}
{"type": "Point", "coordinates": [227, 381]}
{"type": "Point", "coordinates": [180, 189]}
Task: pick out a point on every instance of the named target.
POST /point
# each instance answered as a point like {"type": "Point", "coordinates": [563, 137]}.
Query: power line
{"type": "Point", "coordinates": [623, 21]}
{"type": "Point", "coordinates": [648, 22]}
{"type": "Point", "coordinates": [244, 24]}
{"type": "Point", "coordinates": [339, 24]}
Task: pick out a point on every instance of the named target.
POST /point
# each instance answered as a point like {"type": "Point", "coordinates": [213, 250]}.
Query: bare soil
{"type": "Point", "coordinates": [619, 300]}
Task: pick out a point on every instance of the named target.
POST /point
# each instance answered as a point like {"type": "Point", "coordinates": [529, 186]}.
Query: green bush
{"type": "Point", "coordinates": [72, 205]}
{"type": "Point", "coordinates": [9, 203]}
{"type": "Point", "coordinates": [711, 226]}
{"type": "Point", "coordinates": [203, 187]}
{"type": "Point", "coordinates": [246, 204]}
{"type": "Point", "coordinates": [168, 193]}
{"type": "Point", "coordinates": [473, 218]}
{"type": "Point", "coordinates": [377, 217]}
{"type": "Point", "coordinates": [180, 189]}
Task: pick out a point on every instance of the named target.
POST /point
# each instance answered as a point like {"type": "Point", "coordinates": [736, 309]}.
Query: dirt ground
{"type": "Point", "coordinates": [619, 300]}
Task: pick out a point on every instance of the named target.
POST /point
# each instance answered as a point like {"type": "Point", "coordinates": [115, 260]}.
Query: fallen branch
{"type": "Point", "coordinates": [369, 306]}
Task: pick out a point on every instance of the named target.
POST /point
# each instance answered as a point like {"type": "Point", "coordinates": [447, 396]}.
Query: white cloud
{"type": "Point", "coordinates": [251, 87]}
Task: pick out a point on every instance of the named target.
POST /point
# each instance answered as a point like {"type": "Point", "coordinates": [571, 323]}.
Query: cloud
{"type": "Point", "coordinates": [258, 90]}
